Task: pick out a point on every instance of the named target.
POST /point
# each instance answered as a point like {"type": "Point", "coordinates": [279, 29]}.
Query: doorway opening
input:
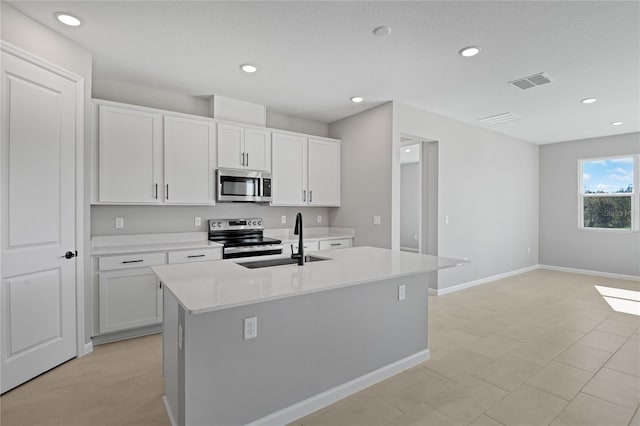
{"type": "Point", "coordinates": [418, 195]}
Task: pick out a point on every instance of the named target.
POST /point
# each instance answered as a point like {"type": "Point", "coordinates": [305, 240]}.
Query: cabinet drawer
{"type": "Point", "coordinates": [106, 263]}
{"type": "Point", "coordinates": [335, 244]}
{"type": "Point", "coordinates": [184, 256]}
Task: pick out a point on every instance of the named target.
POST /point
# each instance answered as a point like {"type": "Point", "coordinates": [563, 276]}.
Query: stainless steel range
{"type": "Point", "coordinates": [242, 238]}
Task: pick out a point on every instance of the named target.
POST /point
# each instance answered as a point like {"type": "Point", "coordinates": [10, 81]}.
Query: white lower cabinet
{"type": "Point", "coordinates": [128, 299]}
{"type": "Point", "coordinates": [129, 294]}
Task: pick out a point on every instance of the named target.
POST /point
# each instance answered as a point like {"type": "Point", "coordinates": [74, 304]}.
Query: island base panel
{"type": "Point", "coordinates": [306, 345]}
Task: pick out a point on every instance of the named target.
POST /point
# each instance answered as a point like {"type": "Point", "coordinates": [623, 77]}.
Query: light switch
{"type": "Point", "coordinates": [376, 220]}
{"type": "Point", "coordinates": [119, 222]}
{"type": "Point", "coordinates": [197, 221]}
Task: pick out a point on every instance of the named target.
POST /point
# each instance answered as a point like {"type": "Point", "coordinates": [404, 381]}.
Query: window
{"type": "Point", "coordinates": [609, 193]}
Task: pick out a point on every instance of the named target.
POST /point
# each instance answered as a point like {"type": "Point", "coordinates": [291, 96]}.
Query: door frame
{"type": "Point", "coordinates": [8, 48]}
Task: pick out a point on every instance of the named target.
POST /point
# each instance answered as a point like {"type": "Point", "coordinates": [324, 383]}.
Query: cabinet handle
{"type": "Point", "coordinates": [242, 158]}
{"type": "Point", "coordinates": [195, 255]}
{"type": "Point", "coordinates": [156, 191]}
{"type": "Point", "coordinates": [247, 154]}
{"type": "Point", "coordinates": [133, 261]}
{"type": "Point", "coordinates": [167, 194]}
{"type": "Point", "coordinates": [160, 284]}
{"type": "Point", "coordinates": [304, 195]}
{"type": "Point", "coordinates": [310, 196]}
{"type": "Point", "coordinates": [335, 244]}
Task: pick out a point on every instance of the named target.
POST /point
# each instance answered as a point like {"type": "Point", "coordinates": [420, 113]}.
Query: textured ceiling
{"type": "Point", "coordinates": [313, 56]}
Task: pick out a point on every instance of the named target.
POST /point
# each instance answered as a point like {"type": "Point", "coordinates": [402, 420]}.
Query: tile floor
{"type": "Point", "coordinates": [542, 348]}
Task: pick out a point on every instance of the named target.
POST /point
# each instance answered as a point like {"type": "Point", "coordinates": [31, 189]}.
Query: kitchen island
{"type": "Point", "coordinates": [323, 331]}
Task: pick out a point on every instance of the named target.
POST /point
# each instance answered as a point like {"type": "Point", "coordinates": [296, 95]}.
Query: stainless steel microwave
{"type": "Point", "coordinates": [243, 186]}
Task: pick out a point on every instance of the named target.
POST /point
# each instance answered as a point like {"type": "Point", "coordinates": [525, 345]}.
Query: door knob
{"type": "Point", "coordinates": [70, 255]}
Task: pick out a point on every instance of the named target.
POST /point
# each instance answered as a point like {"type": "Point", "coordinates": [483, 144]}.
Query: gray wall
{"type": "Point", "coordinates": [39, 40]}
{"type": "Point", "coordinates": [295, 124]}
{"type": "Point", "coordinates": [488, 187]}
{"type": "Point", "coordinates": [160, 219]}
{"type": "Point", "coordinates": [365, 175]}
{"type": "Point", "coordinates": [562, 243]}
{"type": "Point", "coordinates": [430, 199]}
{"type": "Point", "coordinates": [410, 198]}
{"type": "Point", "coordinates": [153, 98]}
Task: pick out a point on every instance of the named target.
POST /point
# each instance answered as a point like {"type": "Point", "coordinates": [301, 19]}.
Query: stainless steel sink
{"type": "Point", "coordinates": [279, 262]}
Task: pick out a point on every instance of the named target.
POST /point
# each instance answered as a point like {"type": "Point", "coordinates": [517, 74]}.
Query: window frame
{"type": "Point", "coordinates": [634, 195]}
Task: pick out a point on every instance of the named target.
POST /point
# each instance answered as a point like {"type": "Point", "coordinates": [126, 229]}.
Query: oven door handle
{"type": "Point", "coordinates": [231, 250]}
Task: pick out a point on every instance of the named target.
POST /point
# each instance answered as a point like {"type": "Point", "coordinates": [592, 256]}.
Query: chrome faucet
{"type": "Point", "coordinates": [297, 230]}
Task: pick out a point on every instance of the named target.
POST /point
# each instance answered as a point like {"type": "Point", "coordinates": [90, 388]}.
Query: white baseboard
{"type": "Point", "coordinates": [410, 249]}
{"type": "Point", "coordinates": [589, 272]}
{"type": "Point", "coordinates": [172, 419]}
{"type": "Point", "coordinates": [485, 280]}
{"type": "Point", "coordinates": [88, 348]}
{"type": "Point", "coordinates": [433, 292]}
{"type": "Point", "coordinates": [316, 402]}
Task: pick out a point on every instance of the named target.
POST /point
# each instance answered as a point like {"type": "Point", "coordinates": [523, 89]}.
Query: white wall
{"type": "Point", "coordinates": [365, 175]}
{"type": "Point", "coordinates": [410, 205]}
{"type": "Point", "coordinates": [39, 40]}
{"type": "Point", "coordinates": [562, 243]}
{"type": "Point", "coordinates": [488, 187]}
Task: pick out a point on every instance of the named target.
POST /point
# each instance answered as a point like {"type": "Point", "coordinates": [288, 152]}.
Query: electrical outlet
{"type": "Point", "coordinates": [446, 220]}
{"type": "Point", "coordinates": [528, 250]}
{"type": "Point", "coordinates": [402, 292]}
{"type": "Point", "coordinates": [250, 328]}
{"type": "Point", "coordinates": [319, 219]}
{"type": "Point", "coordinates": [376, 220]}
{"type": "Point", "coordinates": [119, 222]}
{"type": "Point", "coordinates": [283, 219]}
{"type": "Point", "coordinates": [197, 221]}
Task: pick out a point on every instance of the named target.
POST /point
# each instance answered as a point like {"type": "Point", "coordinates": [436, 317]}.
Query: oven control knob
{"type": "Point", "coordinates": [254, 223]}
{"type": "Point", "coordinates": [259, 223]}
{"type": "Point", "coordinates": [219, 224]}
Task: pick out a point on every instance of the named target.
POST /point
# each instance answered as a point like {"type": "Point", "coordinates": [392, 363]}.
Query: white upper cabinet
{"type": "Point", "coordinates": [189, 161]}
{"type": "Point", "coordinates": [257, 148]}
{"type": "Point", "coordinates": [130, 156]}
{"type": "Point", "coordinates": [305, 171]}
{"type": "Point", "coordinates": [147, 157]}
{"type": "Point", "coordinates": [244, 148]}
{"type": "Point", "coordinates": [230, 146]}
{"type": "Point", "coordinates": [289, 170]}
{"type": "Point", "coordinates": [324, 173]}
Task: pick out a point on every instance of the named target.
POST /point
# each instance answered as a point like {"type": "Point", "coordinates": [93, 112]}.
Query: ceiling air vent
{"type": "Point", "coordinates": [531, 81]}
{"type": "Point", "coordinates": [500, 118]}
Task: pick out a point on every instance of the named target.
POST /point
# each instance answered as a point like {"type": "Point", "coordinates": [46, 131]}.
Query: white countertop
{"type": "Point", "coordinates": [208, 286]}
{"type": "Point", "coordinates": [124, 244]}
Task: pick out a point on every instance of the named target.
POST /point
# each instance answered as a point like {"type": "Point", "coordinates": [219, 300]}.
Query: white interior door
{"type": "Point", "coordinates": [38, 220]}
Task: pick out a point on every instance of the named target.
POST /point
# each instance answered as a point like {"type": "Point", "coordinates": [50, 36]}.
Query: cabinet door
{"type": "Point", "coordinates": [230, 146]}
{"type": "Point", "coordinates": [289, 170]}
{"type": "Point", "coordinates": [257, 149]}
{"type": "Point", "coordinates": [129, 299]}
{"type": "Point", "coordinates": [130, 155]}
{"type": "Point", "coordinates": [188, 161]}
{"type": "Point", "coordinates": [324, 173]}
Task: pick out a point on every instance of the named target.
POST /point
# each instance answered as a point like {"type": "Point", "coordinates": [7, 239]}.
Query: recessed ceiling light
{"type": "Point", "coordinates": [382, 31]}
{"type": "Point", "coordinates": [248, 68]}
{"type": "Point", "coordinates": [470, 51]}
{"type": "Point", "coordinates": [616, 123]}
{"type": "Point", "coordinates": [67, 19]}
{"type": "Point", "coordinates": [407, 150]}
{"type": "Point", "coordinates": [357, 99]}
{"type": "Point", "coordinates": [588, 100]}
